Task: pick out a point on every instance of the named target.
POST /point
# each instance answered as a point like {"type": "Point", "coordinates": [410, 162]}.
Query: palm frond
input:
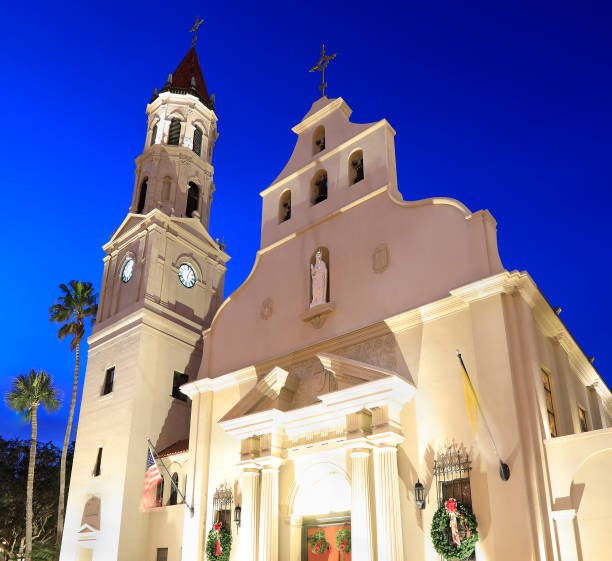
{"type": "Point", "coordinates": [31, 390]}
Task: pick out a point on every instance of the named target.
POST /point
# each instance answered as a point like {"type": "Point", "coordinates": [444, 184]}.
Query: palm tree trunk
{"type": "Point", "coordinates": [30, 487]}
{"type": "Point", "coordinates": [62, 490]}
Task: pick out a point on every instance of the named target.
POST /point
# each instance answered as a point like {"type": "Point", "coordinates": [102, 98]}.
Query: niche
{"type": "Point", "coordinates": [166, 185]}
{"type": "Point", "coordinates": [319, 277]}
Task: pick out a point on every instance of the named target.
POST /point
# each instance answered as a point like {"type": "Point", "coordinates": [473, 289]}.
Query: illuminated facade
{"type": "Point", "coordinates": [327, 385]}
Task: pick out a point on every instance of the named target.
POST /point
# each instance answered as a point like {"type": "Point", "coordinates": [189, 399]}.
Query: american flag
{"type": "Point", "coordinates": [152, 479]}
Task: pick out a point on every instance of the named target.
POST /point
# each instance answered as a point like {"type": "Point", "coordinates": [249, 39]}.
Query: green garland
{"type": "Point", "coordinates": [226, 544]}
{"type": "Point", "coordinates": [343, 540]}
{"type": "Point", "coordinates": [440, 521]}
{"type": "Point", "coordinates": [318, 543]}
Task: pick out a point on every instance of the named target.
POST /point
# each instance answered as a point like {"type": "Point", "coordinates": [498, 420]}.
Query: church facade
{"type": "Point", "coordinates": [322, 403]}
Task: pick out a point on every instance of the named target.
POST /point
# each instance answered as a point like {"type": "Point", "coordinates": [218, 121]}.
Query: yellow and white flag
{"type": "Point", "coordinates": [471, 399]}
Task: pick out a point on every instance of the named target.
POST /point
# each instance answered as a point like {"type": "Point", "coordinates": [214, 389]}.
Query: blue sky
{"type": "Point", "coordinates": [504, 106]}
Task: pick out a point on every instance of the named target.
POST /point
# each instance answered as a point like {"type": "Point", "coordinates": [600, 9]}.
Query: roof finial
{"type": "Point", "coordinates": [194, 30]}
{"type": "Point", "coordinates": [321, 65]}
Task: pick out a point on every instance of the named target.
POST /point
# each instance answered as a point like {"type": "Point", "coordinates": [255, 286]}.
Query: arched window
{"type": "Point", "coordinates": [193, 196]}
{"type": "Point", "coordinates": [174, 134]}
{"type": "Point", "coordinates": [318, 140]}
{"type": "Point", "coordinates": [197, 140]}
{"type": "Point", "coordinates": [318, 188]}
{"type": "Point", "coordinates": [284, 206]}
{"type": "Point", "coordinates": [142, 197]}
{"type": "Point", "coordinates": [166, 188]}
{"type": "Point", "coordinates": [159, 493]}
{"type": "Point", "coordinates": [153, 134]}
{"type": "Point", "coordinates": [356, 167]}
{"type": "Point", "coordinates": [173, 495]}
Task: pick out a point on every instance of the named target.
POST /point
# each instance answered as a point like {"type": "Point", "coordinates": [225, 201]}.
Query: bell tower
{"type": "Point", "coordinates": [162, 284]}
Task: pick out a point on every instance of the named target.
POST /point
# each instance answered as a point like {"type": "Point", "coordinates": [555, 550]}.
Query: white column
{"type": "Point", "coordinates": [566, 533]}
{"type": "Point", "coordinates": [388, 515]}
{"type": "Point", "coordinates": [268, 513]}
{"type": "Point", "coordinates": [249, 513]}
{"type": "Point", "coordinates": [361, 516]}
{"type": "Point", "coordinates": [295, 538]}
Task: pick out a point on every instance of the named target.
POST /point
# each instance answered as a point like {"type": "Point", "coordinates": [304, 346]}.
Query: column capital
{"type": "Point", "coordinates": [386, 440]}
{"type": "Point", "coordinates": [249, 467]}
{"type": "Point", "coordinates": [268, 463]}
{"type": "Point", "coordinates": [358, 444]}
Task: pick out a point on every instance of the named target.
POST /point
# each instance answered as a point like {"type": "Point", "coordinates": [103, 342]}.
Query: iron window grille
{"type": "Point", "coordinates": [223, 499]}
{"type": "Point", "coordinates": [452, 473]}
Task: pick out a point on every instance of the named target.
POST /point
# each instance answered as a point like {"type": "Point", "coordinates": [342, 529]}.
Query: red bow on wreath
{"type": "Point", "coordinates": [451, 508]}
{"type": "Point", "coordinates": [342, 546]}
{"type": "Point", "coordinates": [217, 528]}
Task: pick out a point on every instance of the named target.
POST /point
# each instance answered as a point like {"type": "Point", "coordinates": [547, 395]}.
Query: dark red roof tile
{"type": "Point", "coordinates": [176, 448]}
{"type": "Point", "coordinates": [181, 78]}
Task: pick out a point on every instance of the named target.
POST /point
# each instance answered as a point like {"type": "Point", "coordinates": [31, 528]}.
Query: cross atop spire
{"type": "Point", "coordinates": [194, 30]}
{"type": "Point", "coordinates": [321, 65]}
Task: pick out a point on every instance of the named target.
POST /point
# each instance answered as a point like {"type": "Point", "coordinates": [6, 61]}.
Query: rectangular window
{"type": "Point", "coordinates": [178, 381]}
{"type": "Point", "coordinates": [552, 421]}
{"type": "Point", "coordinates": [582, 417]}
{"type": "Point", "coordinates": [98, 467]}
{"type": "Point", "coordinates": [162, 554]}
{"type": "Point", "coordinates": [109, 378]}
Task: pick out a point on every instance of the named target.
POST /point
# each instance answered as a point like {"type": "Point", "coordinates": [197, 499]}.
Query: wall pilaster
{"type": "Point", "coordinates": [250, 512]}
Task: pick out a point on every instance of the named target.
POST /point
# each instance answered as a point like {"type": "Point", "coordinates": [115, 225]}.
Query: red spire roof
{"type": "Point", "coordinates": [181, 78]}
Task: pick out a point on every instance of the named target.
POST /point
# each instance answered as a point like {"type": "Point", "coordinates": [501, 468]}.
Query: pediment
{"type": "Point", "coordinates": [349, 372]}
{"type": "Point", "coordinates": [274, 391]}
{"type": "Point", "coordinates": [189, 225]}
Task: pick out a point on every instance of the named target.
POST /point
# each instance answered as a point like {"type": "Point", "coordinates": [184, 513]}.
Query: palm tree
{"type": "Point", "coordinates": [27, 393]}
{"type": "Point", "coordinates": [76, 304]}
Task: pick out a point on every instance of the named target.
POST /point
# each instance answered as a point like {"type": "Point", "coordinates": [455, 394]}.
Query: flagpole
{"type": "Point", "coordinates": [504, 469]}
{"type": "Point", "coordinates": [169, 476]}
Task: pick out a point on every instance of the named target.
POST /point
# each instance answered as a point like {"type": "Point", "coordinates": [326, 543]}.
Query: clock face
{"type": "Point", "coordinates": [128, 270]}
{"type": "Point", "coordinates": [187, 275]}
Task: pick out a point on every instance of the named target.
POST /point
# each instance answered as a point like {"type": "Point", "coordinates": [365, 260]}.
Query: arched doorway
{"type": "Point", "coordinates": [320, 508]}
{"type": "Point", "coordinates": [591, 492]}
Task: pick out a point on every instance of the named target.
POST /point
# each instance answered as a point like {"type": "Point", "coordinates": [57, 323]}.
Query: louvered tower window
{"type": "Point", "coordinates": [197, 141]}
{"type": "Point", "coordinates": [153, 135]}
{"type": "Point", "coordinates": [142, 198]}
{"type": "Point", "coordinates": [174, 134]}
{"type": "Point", "coordinates": [192, 199]}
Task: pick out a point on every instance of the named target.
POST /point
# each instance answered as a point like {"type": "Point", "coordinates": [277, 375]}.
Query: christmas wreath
{"type": "Point", "coordinates": [318, 543]}
{"type": "Point", "coordinates": [454, 530]}
{"type": "Point", "coordinates": [343, 540]}
{"type": "Point", "coordinates": [218, 543]}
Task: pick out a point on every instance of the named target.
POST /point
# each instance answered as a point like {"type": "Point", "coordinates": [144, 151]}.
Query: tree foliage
{"type": "Point", "coordinates": [14, 457]}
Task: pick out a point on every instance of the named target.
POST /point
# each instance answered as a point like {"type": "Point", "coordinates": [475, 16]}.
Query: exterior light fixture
{"type": "Point", "coordinates": [419, 494]}
{"type": "Point", "coordinates": [237, 514]}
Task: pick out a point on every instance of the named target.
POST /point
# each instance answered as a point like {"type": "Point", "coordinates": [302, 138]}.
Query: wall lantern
{"type": "Point", "coordinates": [419, 494]}
{"type": "Point", "coordinates": [237, 514]}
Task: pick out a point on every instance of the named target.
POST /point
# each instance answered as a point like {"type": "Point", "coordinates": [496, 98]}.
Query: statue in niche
{"type": "Point", "coordinates": [318, 275]}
